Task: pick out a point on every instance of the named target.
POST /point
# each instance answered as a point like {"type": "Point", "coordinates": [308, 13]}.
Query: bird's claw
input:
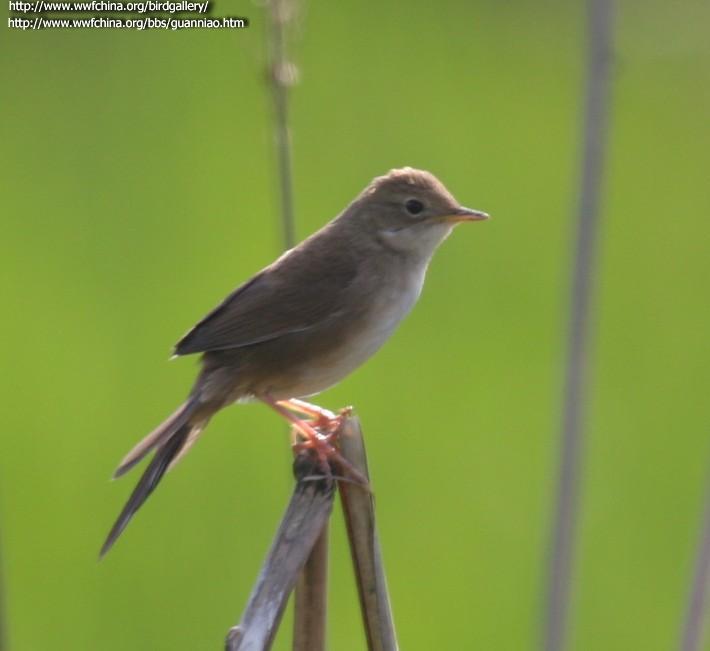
{"type": "Point", "coordinates": [328, 422]}
{"type": "Point", "coordinates": [323, 446]}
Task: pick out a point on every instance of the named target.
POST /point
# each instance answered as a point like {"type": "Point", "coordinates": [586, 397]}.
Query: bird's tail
{"type": "Point", "coordinates": [170, 441]}
{"type": "Point", "coordinates": [168, 428]}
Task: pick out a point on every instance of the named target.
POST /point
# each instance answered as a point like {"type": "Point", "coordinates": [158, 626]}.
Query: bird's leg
{"type": "Point", "coordinates": [321, 418]}
{"type": "Point", "coordinates": [314, 440]}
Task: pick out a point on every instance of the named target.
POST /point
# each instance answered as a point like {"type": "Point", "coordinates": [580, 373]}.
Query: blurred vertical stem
{"type": "Point", "coordinates": [312, 585]}
{"type": "Point", "coordinates": [692, 632]}
{"type": "Point", "coordinates": [595, 126]}
{"type": "Point", "coordinates": [282, 74]}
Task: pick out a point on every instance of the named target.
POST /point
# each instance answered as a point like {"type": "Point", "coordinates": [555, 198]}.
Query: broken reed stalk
{"type": "Point", "coordinates": [596, 118]}
{"type": "Point", "coordinates": [696, 610]}
{"type": "Point", "coordinates": [359, 511]}
{"type": "Point", "coordinates": [311, 599]}
{"type": "Point", "coordinates": [302, 532]}
{"type": "Point", "coordinates": [302, 524]}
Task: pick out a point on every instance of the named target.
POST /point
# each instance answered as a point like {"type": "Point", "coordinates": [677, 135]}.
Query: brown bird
{"type": "Point", "coordinates": [308, 320]}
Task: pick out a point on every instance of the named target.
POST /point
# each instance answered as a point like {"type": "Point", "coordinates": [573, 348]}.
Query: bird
{"type": "Point", "coordinates": [306, 321]}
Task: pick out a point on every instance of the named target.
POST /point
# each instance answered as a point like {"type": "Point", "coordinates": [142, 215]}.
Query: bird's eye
{"type": "Point", "coordinates": [414, 206]}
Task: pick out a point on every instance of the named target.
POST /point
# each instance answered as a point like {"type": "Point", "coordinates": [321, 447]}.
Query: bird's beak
{"type": "Point", "coordinates": [462, 214]}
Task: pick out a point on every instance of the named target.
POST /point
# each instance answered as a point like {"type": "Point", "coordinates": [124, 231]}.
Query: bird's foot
{"type": "Point", "coordinates": [320, 418]}
{"type": "Point", "coordinates": [318, 434]}
{"type": "Point", "coordinates": [326, 453]}
{"type": "Point", "coordinates": [321, 446]}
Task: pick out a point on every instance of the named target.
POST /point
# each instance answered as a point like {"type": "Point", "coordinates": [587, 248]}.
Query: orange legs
{"type": "Point", "coordinates": [322, 419]}
{"type": "Point", "coordinates": [317, 432]}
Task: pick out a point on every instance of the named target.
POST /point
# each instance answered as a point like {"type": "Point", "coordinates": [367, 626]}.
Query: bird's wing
{"type": "Point", "coordinates": [291, 295]}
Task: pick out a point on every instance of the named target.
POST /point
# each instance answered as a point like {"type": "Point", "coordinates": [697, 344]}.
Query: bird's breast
{"type": "Point", "coordinates": [390, 305]}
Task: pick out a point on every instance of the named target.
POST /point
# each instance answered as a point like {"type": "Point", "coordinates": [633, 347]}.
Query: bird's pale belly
{"type": "Point", "coordinates": [327, 370]}
{"type": "Point", "coordinates": [330, 365]}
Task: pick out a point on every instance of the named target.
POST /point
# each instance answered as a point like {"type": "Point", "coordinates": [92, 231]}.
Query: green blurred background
{"type": "Point", "coordinates": [138, 187]}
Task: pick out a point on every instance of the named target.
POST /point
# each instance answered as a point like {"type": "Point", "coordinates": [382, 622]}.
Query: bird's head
{"type": "Point", "coordinates": [410, 211]}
